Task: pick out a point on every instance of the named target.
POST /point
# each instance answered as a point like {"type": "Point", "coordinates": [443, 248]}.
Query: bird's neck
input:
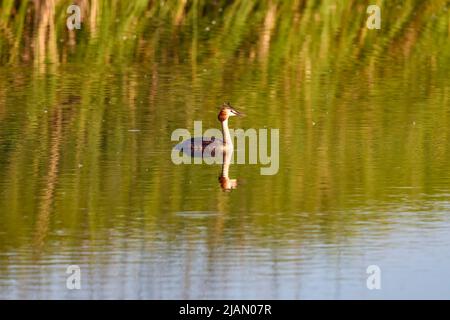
{"type": "Point", "coordinates": [226, 134]}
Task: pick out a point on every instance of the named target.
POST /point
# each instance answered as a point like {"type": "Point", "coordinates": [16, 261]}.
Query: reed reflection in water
{"type": "Point", "coordinates": [86, 175]}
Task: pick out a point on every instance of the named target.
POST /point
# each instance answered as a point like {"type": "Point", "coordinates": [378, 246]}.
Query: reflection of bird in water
{"type": "Point", "coordinates": [226, 183]}
{"type": "Point", "coordinates": [214, 144]}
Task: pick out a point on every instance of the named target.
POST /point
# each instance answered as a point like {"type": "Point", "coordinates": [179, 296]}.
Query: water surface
{"type": "Point", "coordinates": [86, 176]}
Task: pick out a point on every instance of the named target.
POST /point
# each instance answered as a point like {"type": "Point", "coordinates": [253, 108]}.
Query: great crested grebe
{"type": "Point", "coordinates": [220, 150]}
{"type": "Point", "coordinates": [213, 144]}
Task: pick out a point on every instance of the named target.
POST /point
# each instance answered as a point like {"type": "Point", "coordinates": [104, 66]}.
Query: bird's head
{"type": "Point", "coordinates": [226, 111]}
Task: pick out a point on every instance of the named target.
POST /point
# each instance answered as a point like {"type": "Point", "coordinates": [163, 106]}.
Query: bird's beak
{"type": "Point", "coordinates": [237, 113]}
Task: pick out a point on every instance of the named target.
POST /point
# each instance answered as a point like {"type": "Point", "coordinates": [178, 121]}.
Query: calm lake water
{"type": "Point", "coordinates": [86, 176]}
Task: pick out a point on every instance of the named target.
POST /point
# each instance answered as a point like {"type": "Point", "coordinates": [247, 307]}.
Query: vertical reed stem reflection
{"type": "Point", "coordinates": [46, 200]}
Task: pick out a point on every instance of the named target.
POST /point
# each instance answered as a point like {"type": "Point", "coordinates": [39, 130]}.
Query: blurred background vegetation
{"type": "Point", "coordinates": [211, 32]}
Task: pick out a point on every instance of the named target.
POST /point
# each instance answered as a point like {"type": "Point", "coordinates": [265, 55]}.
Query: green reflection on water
{"type": "Point", "coordinates": [86, 118]}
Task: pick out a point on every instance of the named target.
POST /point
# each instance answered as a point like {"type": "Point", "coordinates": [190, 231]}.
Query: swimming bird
{"type": "Point", "coordinates": [213, 144]}
{"type": "Point", "coordinates": [215, 148]}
